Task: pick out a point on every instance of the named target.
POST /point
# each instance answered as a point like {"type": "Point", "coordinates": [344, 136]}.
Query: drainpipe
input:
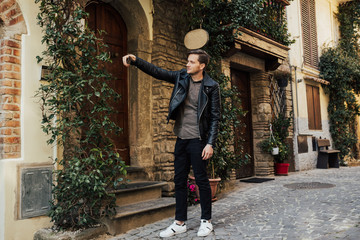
{"type": "Point", "coordinates": [297, 100]}
{"type": "Point", "coordinates": [292, 98]}
{"type": "Point", "coordinates": [295, 118]}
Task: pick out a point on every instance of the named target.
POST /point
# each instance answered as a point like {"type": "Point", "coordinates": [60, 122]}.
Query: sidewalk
{"type": "Point", "coordinates": [271, 210]}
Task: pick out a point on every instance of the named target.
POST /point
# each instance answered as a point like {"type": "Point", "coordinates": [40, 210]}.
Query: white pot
{"type": "Point", "coordinates": [275, 151]}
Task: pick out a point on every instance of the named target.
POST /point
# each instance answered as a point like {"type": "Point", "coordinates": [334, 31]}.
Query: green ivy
{"type": "Point", "coordinates": [341, 67]}
{"type": "Point", "coordinates": [272, 22]}
{"type": "Point", "coordinates": [77, 116]}
{"type": "Point", "coordinates": [221, 19]}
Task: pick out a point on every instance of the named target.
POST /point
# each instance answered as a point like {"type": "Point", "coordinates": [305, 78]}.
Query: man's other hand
{"type": "Point", "coordinates": [207, 152]}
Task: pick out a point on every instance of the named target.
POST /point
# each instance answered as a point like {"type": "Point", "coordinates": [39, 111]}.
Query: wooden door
{"type": "Point", "coordinates": [104, 17]}
{"type": "Point", "coordinates": [241, 80]}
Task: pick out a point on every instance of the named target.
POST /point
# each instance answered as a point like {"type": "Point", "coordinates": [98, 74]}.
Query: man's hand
{"type": "Point", "coordinates": [127, 59]}
{"type": "Point", "coordinates": [207, 152]}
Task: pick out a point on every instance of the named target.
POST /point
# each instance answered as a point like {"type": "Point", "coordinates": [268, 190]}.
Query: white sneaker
{"type": "Point", "coordinates": [205, 228]}
{"type": "Point", "coordinates": [173, 229]}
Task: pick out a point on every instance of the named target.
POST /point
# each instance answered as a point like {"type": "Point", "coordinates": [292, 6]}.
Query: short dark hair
{"type": "Point", "coordinates": [204, 57]}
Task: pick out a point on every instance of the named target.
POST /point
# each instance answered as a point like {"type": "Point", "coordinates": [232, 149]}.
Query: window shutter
{"type": "Point", "coordinates": [313, 106]}
{"type": "Point", "coordinates": [317, 112]}
{"type": "Point", "coordinates": [310, 106]}
{"type": "Point", "coordinates": [309, 33]}
{"type": "Point", "coordinates": [306, 30]}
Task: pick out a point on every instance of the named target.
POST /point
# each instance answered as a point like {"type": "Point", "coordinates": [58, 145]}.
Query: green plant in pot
{"type": "Point", "coordinates": [282, 78]}
{"type": "Point", "coordinates": [280, 131]}
{"type": "Point", "coordinates": [271, 145]}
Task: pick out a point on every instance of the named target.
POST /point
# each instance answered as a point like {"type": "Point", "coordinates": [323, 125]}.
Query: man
{"type": "Point", "coordinates": [195, 107]}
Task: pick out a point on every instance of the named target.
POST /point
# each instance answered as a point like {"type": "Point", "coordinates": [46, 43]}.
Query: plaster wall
{"type": "Point", "coordinates": [34, 149]}
{"type": "Point", "coordinates": [308, 160]}
{"type": "Point", "coordinates": [327, 36]}
{"type": "Point", "coordinates": [326, 23]}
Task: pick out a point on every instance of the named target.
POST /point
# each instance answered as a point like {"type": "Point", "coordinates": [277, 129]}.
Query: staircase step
{"type": "Point", "coordinates": [136, 174]}
{"type": "Point", "coordinates": [136, 215]}
{"type": "Point", "coordinates": [135, 192]}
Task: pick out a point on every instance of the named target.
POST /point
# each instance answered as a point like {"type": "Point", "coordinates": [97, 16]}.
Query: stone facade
{"type": "Point", "coordinates": [168, 53]}
{"type": "Point", "coordinates": [12, 25]}
{"type": "Point", "coordinates": [261, 116]}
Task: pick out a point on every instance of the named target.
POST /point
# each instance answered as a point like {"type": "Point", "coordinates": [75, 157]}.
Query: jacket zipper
{"type": "Point", "coordinates": [202, 113]}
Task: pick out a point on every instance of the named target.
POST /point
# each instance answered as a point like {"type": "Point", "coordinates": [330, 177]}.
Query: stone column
{"type": "Point", "coordinates": [140, 105]}
{"type": "Point", "coordinates": [261, 115]}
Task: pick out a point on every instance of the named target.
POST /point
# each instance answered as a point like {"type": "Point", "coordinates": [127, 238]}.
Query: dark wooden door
{"type": "Point", "coordinates": [104, 17]}
{"type": "Point", "coordinates": [241, 80]}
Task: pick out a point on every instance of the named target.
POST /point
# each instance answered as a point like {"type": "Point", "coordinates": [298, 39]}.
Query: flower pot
{"type": "Point", "coordinates": [275, 151]}
{"type": "Point", "coordinates": [213, 185]}
{"type": "Point", "coordinates": [281, 169]}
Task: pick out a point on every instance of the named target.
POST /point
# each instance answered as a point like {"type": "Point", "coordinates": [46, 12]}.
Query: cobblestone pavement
{"type": "Point", "coordinates": [270, 210]}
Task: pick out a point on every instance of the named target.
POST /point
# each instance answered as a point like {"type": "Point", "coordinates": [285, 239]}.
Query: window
{"type": "Point", "coordinates": [313, 106]}
{"type": "Point", "coordinates": [310, 45]}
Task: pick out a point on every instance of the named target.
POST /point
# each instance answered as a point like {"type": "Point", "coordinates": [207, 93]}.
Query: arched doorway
{"type": "Point", "coordinates": [105, 17]}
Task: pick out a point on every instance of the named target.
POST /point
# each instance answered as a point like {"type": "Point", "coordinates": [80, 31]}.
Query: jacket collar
{"type": "Point", "coordinates": [207, 81]}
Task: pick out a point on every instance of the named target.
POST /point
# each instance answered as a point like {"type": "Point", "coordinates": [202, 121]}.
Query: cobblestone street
{"type": "Point", "coordinates": [271, 210]}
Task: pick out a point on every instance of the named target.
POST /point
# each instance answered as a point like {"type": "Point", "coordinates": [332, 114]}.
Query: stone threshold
{"type": "Point", "coordinates": [85, 234]}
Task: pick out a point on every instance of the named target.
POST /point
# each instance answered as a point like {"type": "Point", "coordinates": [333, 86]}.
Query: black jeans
{"type": "Point", "coordinates": [188, 152]}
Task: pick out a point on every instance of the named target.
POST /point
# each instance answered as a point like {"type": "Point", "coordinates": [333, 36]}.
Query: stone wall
{"type": "Point", "coordinates": [168, 53]}
{"type": "Point", "coordinates": [12, 25]}
{"type": "Point", "coordinates": [261, 116]}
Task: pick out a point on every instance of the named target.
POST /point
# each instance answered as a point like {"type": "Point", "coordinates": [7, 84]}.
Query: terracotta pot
{"type": "Point", "coordinates": [282, 169]}
{"type": "Point", "coordinates": [213, 185]}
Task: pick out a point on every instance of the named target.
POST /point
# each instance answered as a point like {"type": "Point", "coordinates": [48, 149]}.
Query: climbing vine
{"type": "Point", "coordinates": [221, 19]}
{"type": "Point", "coordinates": [340, 65]}
{"type": "Point", "coordinates": [77, 116]}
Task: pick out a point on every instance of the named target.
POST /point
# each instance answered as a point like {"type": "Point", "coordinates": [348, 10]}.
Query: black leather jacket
{"type": "Point", "coordinates": [209, 97]}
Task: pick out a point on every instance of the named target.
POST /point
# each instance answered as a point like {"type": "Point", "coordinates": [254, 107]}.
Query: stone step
{"type": "Point", "coordinates": [136, 215]}
{"type": "Point", "coordinates": [136, 174]}
{"type": "Point", "coordinates": [140, 191]}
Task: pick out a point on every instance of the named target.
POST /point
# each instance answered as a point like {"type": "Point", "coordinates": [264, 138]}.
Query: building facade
{"type": "Point", "coordinates": [314, 26]}
{"type": "Point", "coordinates": [151, 30]}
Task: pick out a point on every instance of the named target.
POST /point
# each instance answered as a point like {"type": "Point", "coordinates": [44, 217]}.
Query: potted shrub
{"type": "Point", "coordinates": [282, 78]}
{"type": "Point", "coordinates": [280, 151]}
{"type": "Point", "coordinates": [280, 126]}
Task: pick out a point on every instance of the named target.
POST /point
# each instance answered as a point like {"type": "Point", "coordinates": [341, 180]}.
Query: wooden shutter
{"type": "Point", "coordinates": [310, 106]}
{"type": "Point", "coordinates": [310, 45]}
{"type": "Point", "coordinates": [317, 112]}
{"type": "Point", "coordinates": [313, 106]}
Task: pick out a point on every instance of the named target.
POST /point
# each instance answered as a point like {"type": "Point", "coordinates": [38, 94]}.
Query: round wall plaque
{"type": "Point", "coordinates": [196, 39]}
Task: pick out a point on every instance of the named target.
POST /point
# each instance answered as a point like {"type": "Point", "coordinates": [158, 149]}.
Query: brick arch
{"type": "Point", "coordinates": [11, 27]}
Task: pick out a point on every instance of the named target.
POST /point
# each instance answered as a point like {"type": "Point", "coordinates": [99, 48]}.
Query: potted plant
{"type": "Point", "coordinates": [213, 179]}
{"type": "Point", "coordinates": [280, 126]}
{"type": "Point", "coordinates": [282, 78]}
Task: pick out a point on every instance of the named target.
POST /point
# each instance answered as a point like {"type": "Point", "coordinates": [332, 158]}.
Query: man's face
{"type": "Point", "coordinates": [194, 66]}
